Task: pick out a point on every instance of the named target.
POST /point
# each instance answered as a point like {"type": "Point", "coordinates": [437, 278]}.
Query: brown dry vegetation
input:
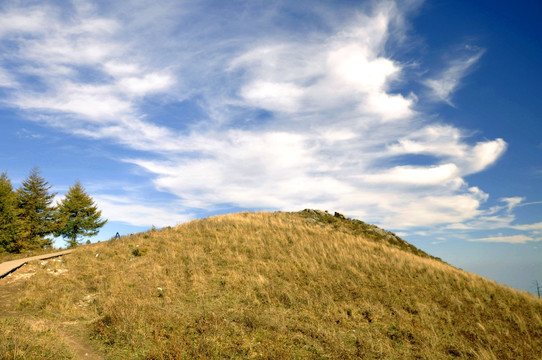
{"type": "Point", "coordinates": [282, 286]}
{"type": "Point", "coordinates": [21, 340]}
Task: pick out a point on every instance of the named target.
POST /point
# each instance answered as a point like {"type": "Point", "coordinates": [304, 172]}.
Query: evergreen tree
{"type": "Point", "coordinates": [8, 215]}
{"type": "Point", "coordinates": [36, 213]}
{"type": "Point", "coordinates": [78, 216]}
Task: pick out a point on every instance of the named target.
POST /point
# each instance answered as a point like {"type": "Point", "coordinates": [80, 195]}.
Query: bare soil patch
{"type": "Point", "coordinates": [72, 333]}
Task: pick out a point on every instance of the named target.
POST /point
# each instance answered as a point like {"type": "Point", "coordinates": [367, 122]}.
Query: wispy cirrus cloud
{"type": "Point", "coordinates": [122, 209]}
{"type": "Point", "coordinates": [448, 81]}
{"type": "Point", "coordinates": [513, 239]}
{"type": "Point", "coordinates": [285, 122]}
{"type": "Point", "coordinates": [500, 218]}
{"type": "Point", "coordinates": [534, 227]}
{"type": "Point", "coordinates": [77, 71]}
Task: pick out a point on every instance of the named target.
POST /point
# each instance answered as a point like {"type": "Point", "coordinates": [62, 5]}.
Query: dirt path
{"type": "Point", "coordinates": [72, 333]}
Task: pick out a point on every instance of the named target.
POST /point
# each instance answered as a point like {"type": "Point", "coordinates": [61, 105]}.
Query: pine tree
{"type": "Point", "coordinates": [36, 213]}
{"type": "Point", "coordinates": [8, 215]}
{"type": "Point", "coordinates": [78, 215]}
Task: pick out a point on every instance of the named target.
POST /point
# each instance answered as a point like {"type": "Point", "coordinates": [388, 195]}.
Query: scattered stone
{"type": "Point", "coordinates": [21, 275]}
{"type": "Point", "coordinates": [57, 271]}
{"type": "Point", "coordinates": [87, 300]}
{"type": "Point", "coordinates": [317, 212]}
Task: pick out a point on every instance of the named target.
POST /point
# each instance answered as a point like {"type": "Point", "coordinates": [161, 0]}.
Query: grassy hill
{"type": "Point", "coordinates": [280, 286]}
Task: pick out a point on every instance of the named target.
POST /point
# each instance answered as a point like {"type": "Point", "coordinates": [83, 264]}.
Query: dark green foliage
{"type": "Point", "coordinates": [36, 213]}
{"type": "Point", "coordinates": [27, 216]}
{"type": "Point", "coordinates": [9, 222]}
{"type": "Point", "coordinates": [139, 252]}
{"type": "Point", "coordinates": [78, 216]}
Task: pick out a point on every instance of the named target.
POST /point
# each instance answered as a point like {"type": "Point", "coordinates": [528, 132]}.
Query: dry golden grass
{"type": "Point", "coordinates": [282, 286]}
{"type": "Point", "coordinates": [20, 339]}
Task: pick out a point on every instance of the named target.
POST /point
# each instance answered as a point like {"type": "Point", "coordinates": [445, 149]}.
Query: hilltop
{"type": "Point", "coordinates": [277, 286]}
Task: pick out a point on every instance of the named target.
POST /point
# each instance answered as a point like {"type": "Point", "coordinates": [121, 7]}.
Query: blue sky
{"type": "Point", "coordinates": [421, 117]}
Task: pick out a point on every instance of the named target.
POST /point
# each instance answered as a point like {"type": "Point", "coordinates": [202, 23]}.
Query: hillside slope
{"type": "Point", "coordinates": [281, 286]}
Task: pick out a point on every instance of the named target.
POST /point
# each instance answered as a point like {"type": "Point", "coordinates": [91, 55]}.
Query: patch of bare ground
{"type": "Point", "coordinates": [11, 285]}
{"type": "Point", "coordinates": [26, 336]}
{"type": "Point", "coordinates": [77, 339]}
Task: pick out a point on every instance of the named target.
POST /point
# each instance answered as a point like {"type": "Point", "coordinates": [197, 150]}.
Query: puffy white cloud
{"type": "Point", "coordinates": [359, 69]}
{"type": "Point", "coordinates": [437, 140]}
{"type": "Point", "coordinates": [344, 73]}
{"type": "Point", "coordinates": [447, 143]}
{"type": "Point", "coordinates": [431, 175]}
{"type": "Point", "coordinates": [390, 106]}
{"type": "Point", "coordinates": [485, 154]}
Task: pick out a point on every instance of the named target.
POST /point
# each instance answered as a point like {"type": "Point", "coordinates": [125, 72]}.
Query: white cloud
{"type": "Point", "coordinates": [273, 96]}
{"type": "Point", "coordinates": [432, 210]}
{"type": "Point", "coordinates": [449, 80]}
{"type": "Point", "coordinates": [390, 106]}
{"type": "Point", "coordinates": [437, 140]}
{"type": "Point", "coordinates": [116, 208]}
{"type": "Point", "coordinates": [5, 79]}
{"type": "Point", "coordinates": [447, 143]}
{"type": "Point", "coordinates": [485, 154]}
{"type": "Point", "coordinates": [514, 239]}
{"type": "Point", "coordinates": [149, 83]}
{"type": "Point", "coordinates": [333, 129]}
{"type": "Point", "coordinates": [119, 69]}
{"type": "Point", "coordinates": [531, 203]}
{"type": "Point", "coordinates": [417, 175]}
{"type": "Point", "coordinates": [23, 20]}
{"type": "Point", "coordinates": [512, 202]}
{"type": "Point", "coordinates": [88, 82]}
{"type": "Point", "coordinates": [249, 169]}
{"type": "Point", "coordinates": [358, 68]}
{"type": "Point", "coordinates": [94, 103]}
{"type": "Point", "coordinates": [344, 73]}
{"type": "Point", "coordinates": [529, 227]}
